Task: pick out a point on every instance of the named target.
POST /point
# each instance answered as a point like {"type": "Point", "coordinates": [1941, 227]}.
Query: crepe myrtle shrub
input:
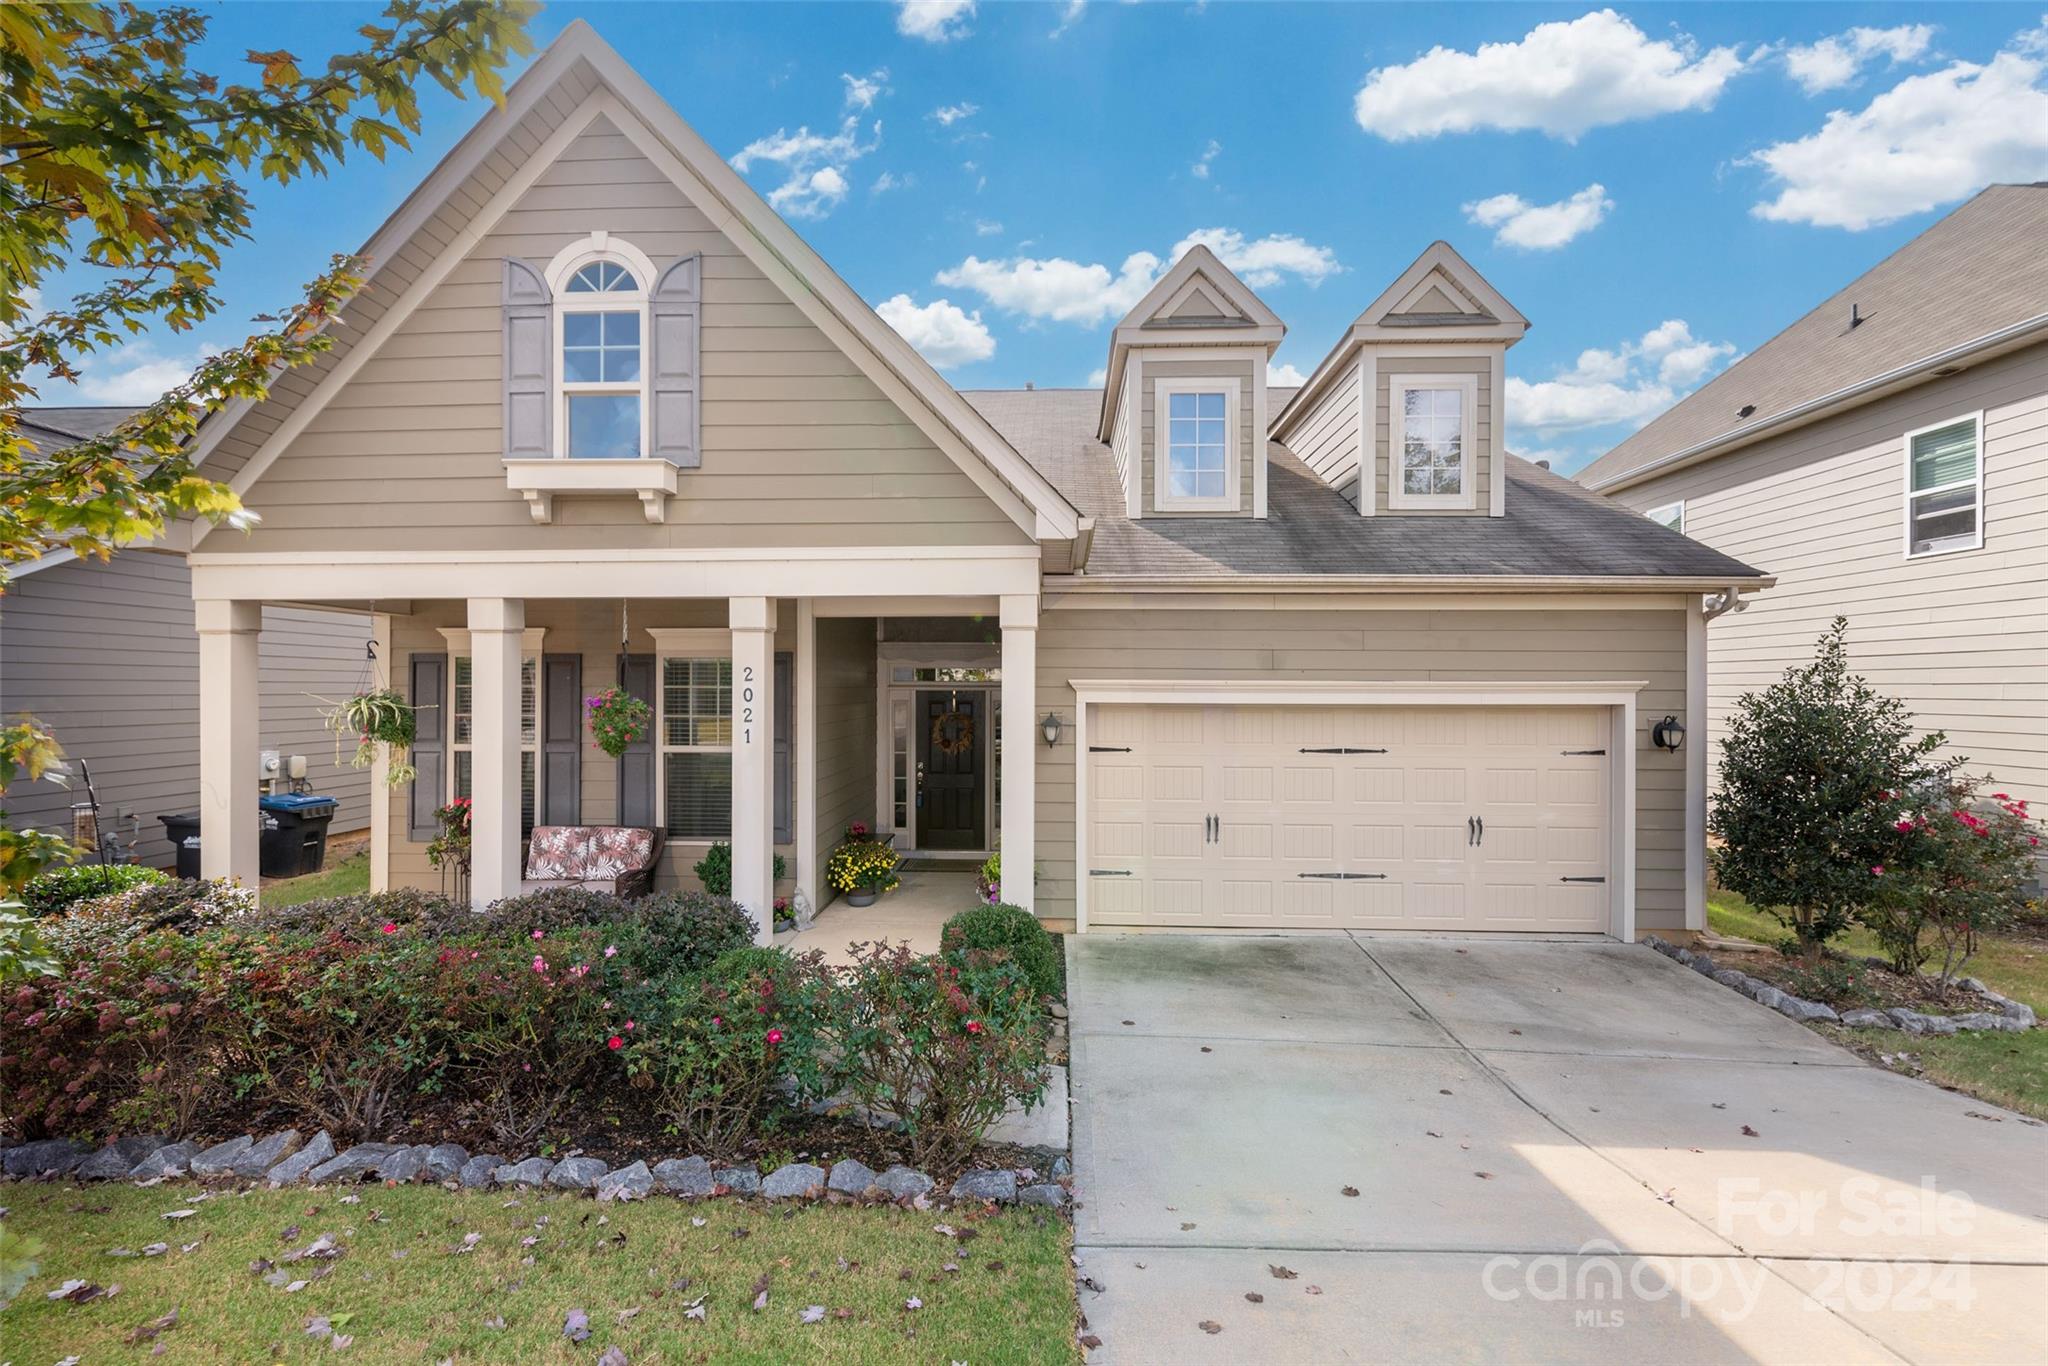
{"type": "Point", "coordinates": [714, 870]}
{"type": "Point", "coordinates": [187, 905]}
{"type": "Point", "coordinates": [553, 909]}
{"type": "Point", "coordinates": [1964, 860]}
{"type": "Point", "coordinates": [1804, 807]}
{"type": "Point", "coordinates": [679, 933]}
{"type": "Point", "coordinates": [946, 1045]}
{"type": "Point", "coordinates": [709, 1054]}
{"type": "Point", "coordinates": [363, 914]}
{"type": "Point", "coordinates": [1007, 932]}
{"type": "Point", "coordinates": [59, 889]}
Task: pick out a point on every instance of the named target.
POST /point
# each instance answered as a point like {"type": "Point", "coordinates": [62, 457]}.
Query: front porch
{"type": "Point", "coordinates": [777, 723]}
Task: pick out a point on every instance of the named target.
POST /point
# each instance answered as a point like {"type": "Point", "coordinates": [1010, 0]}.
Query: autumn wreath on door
{"type": "Point", "coordinates": [952, 732]}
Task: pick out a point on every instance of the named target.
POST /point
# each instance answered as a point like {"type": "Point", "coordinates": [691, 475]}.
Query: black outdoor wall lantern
{"type": "Point", "coordinates": [1668, 734]}
{"type": "Point", "coordinates": [1051, 728]}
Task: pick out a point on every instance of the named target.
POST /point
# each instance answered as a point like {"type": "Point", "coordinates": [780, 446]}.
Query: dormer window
{"type": "Point", "coordinates": [1195, 430]}
{"type": "Point", "coordinates": [1432, 443]}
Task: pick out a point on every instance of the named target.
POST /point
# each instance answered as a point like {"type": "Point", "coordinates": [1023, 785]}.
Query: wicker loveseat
{"type": "Point", "coordinates": [618, 859]}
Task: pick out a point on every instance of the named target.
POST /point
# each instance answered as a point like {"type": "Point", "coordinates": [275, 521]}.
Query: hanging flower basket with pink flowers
{"type": "Point", "coordinates": [618, 720]}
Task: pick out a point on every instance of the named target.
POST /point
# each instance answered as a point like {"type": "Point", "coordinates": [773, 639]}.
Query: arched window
{"type": "Point", "coordinates": [600, 286]}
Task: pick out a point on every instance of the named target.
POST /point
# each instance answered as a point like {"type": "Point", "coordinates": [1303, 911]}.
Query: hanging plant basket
{"type": "Point", "coordinates": [372, 719]}
{"type": "Point", "coordinates": [618, 720]}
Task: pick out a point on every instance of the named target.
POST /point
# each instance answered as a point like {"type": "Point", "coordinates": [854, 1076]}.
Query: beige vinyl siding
{"type": "Point", "coordinates": [799, 448]}
{"type": "Point", "coordinates": [107, 657]}
{"type": "Point", "coordinates": [1326, 436]}
{"type": "Point", "coordinates": [1248, 449]}
{"type": "Point", "coordinates": [1123, 435]}
{"type": "Point", "coordinates": [1482, 427]}
{"type": "Point", "coordinates": [1535, 645]}
{"type": "Point", "coordinates": [1961, 638]}
{"type": "Point", "coordinates": [591, 630]}
{"type": "Point", "coordinates": [846, 734]}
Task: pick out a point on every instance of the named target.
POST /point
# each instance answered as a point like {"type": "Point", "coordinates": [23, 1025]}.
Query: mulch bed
{"type": "Point", "coordinates": [1874, 986]}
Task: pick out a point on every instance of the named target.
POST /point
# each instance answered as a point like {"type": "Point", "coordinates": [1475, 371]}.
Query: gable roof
{"type": "Point", "coordinates": [1199, 301]}
{"type": "Point", "coordinates": [1972, 284]}
{"type": "Point", "coordinates": [1553, 531]}
{"type": "Point", "coordinates": [578, 79]}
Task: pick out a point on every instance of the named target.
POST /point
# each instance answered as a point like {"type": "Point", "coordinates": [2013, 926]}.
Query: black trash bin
{"type": "Point", "coordinates": [183, 833]}
{"type": "Point", "coordinates": [295, 834]}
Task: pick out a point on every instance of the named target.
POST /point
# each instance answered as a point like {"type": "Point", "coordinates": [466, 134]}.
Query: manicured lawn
{"type": "Point", "coordinates": [2006, 1069]}
{"type": "Point", "coordinates": [344, 878]}
{"type": "Point", "coordinates": [408, 1295]}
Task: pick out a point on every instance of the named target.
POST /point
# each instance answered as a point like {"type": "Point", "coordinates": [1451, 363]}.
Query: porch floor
{"type": "Point", "coordinates": [913, 913]}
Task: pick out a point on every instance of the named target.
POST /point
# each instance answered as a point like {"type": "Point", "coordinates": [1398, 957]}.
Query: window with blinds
{"type": "Point", "coordinates": [462, 714]}
{"type": "Point", "coordinates": [696, 747]}
{"type": "Point", "coordinates": [1945, 487]}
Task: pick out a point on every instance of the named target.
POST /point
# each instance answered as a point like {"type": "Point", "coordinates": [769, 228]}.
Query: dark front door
{"type": "Point", "coordinates": [952, 737]}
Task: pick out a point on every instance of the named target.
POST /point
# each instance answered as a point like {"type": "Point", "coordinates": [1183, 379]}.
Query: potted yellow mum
{"type": "Point", "coordinates": [862, 867]}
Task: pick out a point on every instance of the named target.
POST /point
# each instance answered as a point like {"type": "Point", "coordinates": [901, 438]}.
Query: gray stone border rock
{"type": "Point", "coordinates": [316, 1162]}
{"type": "Point", "coordinates": [2007, 1015]}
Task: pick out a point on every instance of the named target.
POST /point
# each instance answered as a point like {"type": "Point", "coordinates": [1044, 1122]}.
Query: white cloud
{"type": "Point", "coordinates": [984, 227]}
{"type": "Point", "coordinates": [889, 180]}
{"type": "Point", "coordinates": [1562, 78]}
{"type": "Point", "coordinates": [863, 91]}
{"type": "Point", "coordinates": [1098, 377]}
{"type": "Point", "coordinates": [1200, 170]}
{"type": "Point", "coordinates": [950, 114]}
{"type": "Point", "coordinates": [1930, 140]}
{"type": "Point", "coordinates": [1540, 227]}
{"type": "Point", "coordinates": [814, 164]}
{"type": "Point", "coordinates": [1630, 384]}
{"type": "Point", "coordinates": [942, 333]}
{"type": "Point", "coordinates": [1834, 61]}
{"type": "Point", "coordinates": [1070, 15]}
{"type": "Point", "coordinates": [934, 21]}
{"type": "Point", "coordinates": [1285, 376]}
{"type": "Point", "coordinates": [136, 372]}
{"type": "Point", "coordinates": [1058, 290]}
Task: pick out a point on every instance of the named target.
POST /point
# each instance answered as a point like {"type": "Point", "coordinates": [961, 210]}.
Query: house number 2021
{"type": "Point", "coordinates": [747, 704]}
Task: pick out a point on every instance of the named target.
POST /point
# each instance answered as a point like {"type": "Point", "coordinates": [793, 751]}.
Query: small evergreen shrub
{"type": "Point", "coordinates": [555, 908]}
{"type": "Point", "coordinates": [59, 889]}
{"type": "Point", "coordinates": [681, 933]}
{"type": "Point", "coordinates": [714, 870]}
{"type": "Point", "coordinates": [1009, 933]}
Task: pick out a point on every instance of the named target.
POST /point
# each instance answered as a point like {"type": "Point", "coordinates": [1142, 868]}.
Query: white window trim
{"type": "Point", "coordinates": [1975, 482]}
{"type": "Point", "coordinates": [1233, 471]}
{"type": "Point", "coordinates": [693, 642]}
{"type": "Point", "coordinates": [598, 246]}
{"type": "Point", "coordinates": [1467, 497]}
{"type": "Point", "coordinates": [1660, 513]}
{"type": "Point", "coordinates": [529, 652]}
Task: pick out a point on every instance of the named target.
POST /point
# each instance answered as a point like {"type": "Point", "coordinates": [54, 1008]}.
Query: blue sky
{"type": "Point", "coordinates": [1659, 188]}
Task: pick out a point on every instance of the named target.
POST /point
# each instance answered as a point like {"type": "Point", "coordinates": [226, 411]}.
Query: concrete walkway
{"type": "Point", "coordinates": [914, 913]}
{"type": "Point", "coordinates": [1488, 1151]}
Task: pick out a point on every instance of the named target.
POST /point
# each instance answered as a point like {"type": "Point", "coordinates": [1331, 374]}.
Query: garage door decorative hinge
{"type": "Point", "coordinates": [1109, 749]}
{"type": "Point", "coordinates": [1338, 749]}
{"type": "Point", "coordinates": [1345, 877]}
{"type": "Point", "coordinates": [1569, 752]}
{"type": "Point", "coordinates": [1582, 879]}
{"type": "Point", "coordinates": [1109, 872]}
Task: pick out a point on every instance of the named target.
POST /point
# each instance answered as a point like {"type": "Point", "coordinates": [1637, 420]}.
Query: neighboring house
{"type": "Point", "coordinates": [105, 655]}
{"type": "Point", "coordinates": [1194, 651]}
{"type": "Point", "coordinates": [1887, 456]}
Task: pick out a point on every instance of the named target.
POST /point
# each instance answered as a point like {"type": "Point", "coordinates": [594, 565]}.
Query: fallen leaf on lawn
{"type": "Point", "coordinates": [529, 1240]}
{"type": "Point", "coordinates": [950, 1267]}
{"type": "Point", "coordinates": [322, 1248]}
{"type": "Point", "coordinates": [842, 1313]}
{"type": "Point", "coordinates": [696, 1222]}
{"type": "Point", "coordinates": [319, 1326]}
{"type": "Point", "coordinates": [296, 1286]}
{"type": "Point", "coordinates": [943, 1230]}
{"type": "Point", "coordinates": [1350, 1190]}
{"type": "Point", "coordinates": [1254, 1297]}
{"type": "Point", "coordinates": [189, 1247]}
{"type": "Point", "coordinates": [181, 1214]}
{"type": "Point", "coordinates": [351, 1199]}
{"type": "Point", "coordinates": [121, 1252]}
{"type": "Point", "coordinates": [913, 1303]}
{"type": "Point", "coordinates": [1280, 1273]}
{"type": "Point", "coordinates": [576, 1326]}
{"type": "Point", "coordinates": [156, 1249]}
{"type": "Point", "coordinates": [1090, 1341]}
{"type": "Point", "coordinates": [1748, 1132]}
{"type": "Point", "coordinates": [612, 1356]}
{"type": "Point", "coordinates": [1210, 1326]}
{"type": "Point", "coordinates": [813, 1313]}
{"type": "Point", "coordinates": [277, 1278]}
{"type": "Point", "coordinates": [340, 1340]}
{"type": "Point", "coordinates": [626, 1316]}
{"type": "Point", "coordinates": [468, 1243]}
{"type": "Point", "coordinates": [695, 1309]}
{"type": "Point", "coordinates": [78, 1292]}
{"type": "Point", "coordinates": [155, 1326]}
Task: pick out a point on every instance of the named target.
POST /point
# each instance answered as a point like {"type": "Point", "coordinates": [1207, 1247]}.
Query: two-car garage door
{"type": "Point", "coordinates": [1355, 817]}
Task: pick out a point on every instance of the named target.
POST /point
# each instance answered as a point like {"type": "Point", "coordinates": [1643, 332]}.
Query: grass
{"type": "Point", "coordinates": [404, 1294]}
{"type": "Point", "coordinates": [346, 877]}
{"type": "Point", "coordinates": [2005, 1069]}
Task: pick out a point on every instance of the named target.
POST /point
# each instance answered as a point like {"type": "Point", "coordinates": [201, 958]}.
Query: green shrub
{"type": "Point", "coordinates": [367, 913]}
{"type": "Point", "coordinates": [714, 870]}
{"type": "Point", "coordinates": [1010, 933]}
{"type": "Point", "coordinates": [944, 1046]}
{"type": "Point", "coordinates": [55, 891]}
{"type": "Point", "coordinates": [1959, 868]}
{"type": "Point", "coordinates": [106, 922]}
{"type": "Point", "coordinates": [681, 933]}
{"type": "Point", "coordinates": [554, 908]}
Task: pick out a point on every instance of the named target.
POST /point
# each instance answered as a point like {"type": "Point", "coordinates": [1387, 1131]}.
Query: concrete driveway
{"type": "Point", "coordinates": [1488, 1151]}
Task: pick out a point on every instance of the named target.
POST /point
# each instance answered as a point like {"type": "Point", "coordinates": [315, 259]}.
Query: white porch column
{"type": "Point", "coordinates": [753, 766]}
{"type": "Point", "coordinates": [1019, 816]}
{"type": "Point", "coordinates": [230, 724]}
{"type": "Point", "coordinates": [382, 797]}
{"type": "Point", "coordinates": [809, 885]}
{"type": "Point", "coordinates": [496, 628]}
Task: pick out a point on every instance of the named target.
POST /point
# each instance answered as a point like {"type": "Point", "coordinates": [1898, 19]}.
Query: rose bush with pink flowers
{"type": "Point", "coordinates": [1960, 861]}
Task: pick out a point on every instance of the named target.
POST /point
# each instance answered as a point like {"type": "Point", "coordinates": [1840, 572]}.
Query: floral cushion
{"type": "Point", "coordinates": [589, 853]}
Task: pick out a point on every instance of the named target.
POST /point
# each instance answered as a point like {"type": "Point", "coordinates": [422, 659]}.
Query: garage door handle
{"type": "Point", "coordinates": [1109, 872]}
{"type": "Point", "coordinates": [1570, 752]}
{"type": "Point", "coordinates": [1109, 749]}
{"type": "Point", "coordinates": [1345, 877]}
{"type": "Point", "coordinates": [1582, 879]}
{"type": "Point", "coordinates": [1337, 749]}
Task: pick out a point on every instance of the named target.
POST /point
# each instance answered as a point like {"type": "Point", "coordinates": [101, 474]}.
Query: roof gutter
{"type": "Point", "coordinates": [2005, 338]}
{"type": "Point", "coordinates": [1403, 583]}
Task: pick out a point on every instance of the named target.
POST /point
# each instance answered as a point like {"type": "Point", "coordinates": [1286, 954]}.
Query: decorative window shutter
{"type": "Point", "coordinates": [675, 314]}
{"type": "Point", "coordinates": [785, 724]}
{"type": "Point", "coordinates": [529, 368]}
{"type": "Point", "coordinates": [429, 696]}
{"type": "Point", "coordinates": [636, 765]}
{"type": "Point", "coordinates": [561, 798]}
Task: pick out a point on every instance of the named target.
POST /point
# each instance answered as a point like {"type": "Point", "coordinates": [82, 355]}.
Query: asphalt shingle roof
{"type": "Point", "coordinates": [1982, 268]}
{"type": "Point", "coordinates": [1553, 527]}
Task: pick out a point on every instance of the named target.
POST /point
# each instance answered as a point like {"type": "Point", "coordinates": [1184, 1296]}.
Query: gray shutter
{"type": "Point", "coordinates": [676, 316]}
{"type": "Point", "coordinates": [429, 697]}
{"type": "Point", "coordinates": [561, 740]}
{"type": "Point", "coordinates": [785, 721]}
{"type": "Point", "coordinates": [636, 765]}
{"type": "Point", "coordinates": [529, 350]}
